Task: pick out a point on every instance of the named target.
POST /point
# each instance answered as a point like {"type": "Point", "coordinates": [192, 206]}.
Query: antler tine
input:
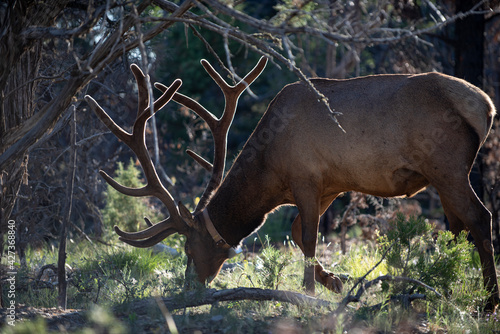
{"type": "Point", "coordinates": [254, 73]}
{"type": "Point", "coordinates": [220, 131]}
{"type": "Point", "coordinates": [137, 142]}
{"type": "Point", "coordinates": [144, 110]}
{"type": "Point", "coordinates": [142, 89]}
{"type": "Point", "coordinates": [232, 93]}
{"type": "Point", "coordinates": [200, 160]}
{"type": "Point", "coordinates": [146, 233]}
{"type": "Point", "coordinates": [218, 127]}
{"type": "Point", "coordinates": [152, 240]}
{"type": "Point", "coordinates": [188, 102]}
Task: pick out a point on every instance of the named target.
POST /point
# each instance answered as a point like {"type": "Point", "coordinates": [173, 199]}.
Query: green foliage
{"type": "Point", "coordinates": [142, 262]}
{"type": "Point", "coordinates": [114, 276]}
{"type": "Point", "coordinates": [99, 274]}
{"type": "Point", "coordinates": [38, 326]}
{"type": "Point", "coordinates": [271, 264]}
{"type": "Point", "coordinates": [300, 19]}
{"type": "Point", "coordinates": [443, 262]}
{"type": "Point", "coordinates": [125, 211]}
{"type": "Point", "coordinates": [359, 260]}
{"type": "Point", "coordinates": [120, 275]}
{"type": "Point", "coordinates": [449, 261]}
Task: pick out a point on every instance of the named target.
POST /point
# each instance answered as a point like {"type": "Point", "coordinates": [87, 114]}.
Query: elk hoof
{"type": "Point", "coordinates": [491, 306]}
{"type": "Point", "coordinates": [331, 282]}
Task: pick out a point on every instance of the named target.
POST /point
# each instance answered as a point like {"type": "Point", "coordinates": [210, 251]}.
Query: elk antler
{"type": "Point", "coordinates": [137, 142]}
{"type": "Point", "coordinates": [218, 126]}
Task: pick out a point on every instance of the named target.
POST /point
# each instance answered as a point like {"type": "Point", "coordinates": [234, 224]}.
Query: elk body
{"type": "Point", "coordinates": [402, 133]}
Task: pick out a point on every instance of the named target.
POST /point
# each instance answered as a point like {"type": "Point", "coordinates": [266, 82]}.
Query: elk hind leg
{"type": "Point", "coordinates": [465, 211]}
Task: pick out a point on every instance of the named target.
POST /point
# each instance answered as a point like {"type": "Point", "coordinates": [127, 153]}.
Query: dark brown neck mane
{"type": "Point", "coordinates": [244, 199]}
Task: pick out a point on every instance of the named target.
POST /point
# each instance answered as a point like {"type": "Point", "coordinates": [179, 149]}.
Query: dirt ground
{"type": "Point", "coordinates": [71, 320]}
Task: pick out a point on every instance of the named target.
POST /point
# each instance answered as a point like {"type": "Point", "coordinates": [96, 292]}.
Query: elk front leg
{"type": "Point", "coordinates": [309, 240]}
{"type": "Point", "coordinates": [327, 279]}
{"type": "Point", "coordinates": [308, 203]}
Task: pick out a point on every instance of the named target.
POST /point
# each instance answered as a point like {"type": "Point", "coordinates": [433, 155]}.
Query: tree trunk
{"type": "Point", "coordinates": [19, 66]}
{"type": "Point", "coordinates": [469, 47]}
{"type": "Point", "coordinates": [469, 65]}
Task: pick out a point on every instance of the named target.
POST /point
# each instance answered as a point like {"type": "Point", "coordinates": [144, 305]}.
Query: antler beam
{"type": "Point", "coordinates": [219, 127]}
{"type": "Point", "coordinates": [137, 143]}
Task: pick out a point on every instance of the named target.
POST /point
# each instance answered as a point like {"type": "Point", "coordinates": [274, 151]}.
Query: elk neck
{"type": "Point", "coordinates": [248, 193]}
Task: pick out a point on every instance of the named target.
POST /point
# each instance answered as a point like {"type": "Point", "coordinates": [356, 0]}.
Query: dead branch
{"type": "Point", "coordinates": [20, 139]}
{"type": "Point", "coordinates": [213, 296]}
{"type": "Point", "coordinates": [350, 298]}
{"type": "Point", "coordinates": [61, 258]}
{"type": "Point", "coordinates": [357, 201]}
{"type": "Point", "coordinates": [247, 39]}
{"type": "Point", "coordinates": [391, 278]}
{"type": "Point", "coordinates": [389, 34]}
{"type": "Point", "coordinates": [404, 297]}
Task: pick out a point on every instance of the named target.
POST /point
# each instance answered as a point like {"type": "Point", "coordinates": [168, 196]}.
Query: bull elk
{"type": "Point", "coordinates": [402, 133]}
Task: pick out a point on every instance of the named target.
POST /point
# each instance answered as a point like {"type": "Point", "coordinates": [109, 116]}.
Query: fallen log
{"type": "Point", "coordinates": [211, 296]}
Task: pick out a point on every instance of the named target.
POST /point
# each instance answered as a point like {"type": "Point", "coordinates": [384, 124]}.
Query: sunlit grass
{"type": "Point", "coordinates": [115, 275]}
{"type": "Point", "coordinates": [361, 258]}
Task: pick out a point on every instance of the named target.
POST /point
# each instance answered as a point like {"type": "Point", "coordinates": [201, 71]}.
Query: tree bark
{"type": "Point", "coordinates": [19, 66]}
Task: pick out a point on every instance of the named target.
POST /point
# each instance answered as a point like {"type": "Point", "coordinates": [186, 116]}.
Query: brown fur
{"type": "Point", "coordinates": [402, 134]}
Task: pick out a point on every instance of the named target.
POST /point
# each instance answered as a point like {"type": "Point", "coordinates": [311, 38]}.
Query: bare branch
{"type": "Point", "coordinates": [44, 32]}
{"type": "Point", "coordinates": [391, 278]}
{"type": "Point", "coordinates": [212, 296]}
{"type": "Point", "coordinates": [330, 36]}
{"type": "Point", "coordinates": [18, 140]}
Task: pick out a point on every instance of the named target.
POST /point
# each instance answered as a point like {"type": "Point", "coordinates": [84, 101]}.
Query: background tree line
{"type": "Point", "coordinates": [55, 52]}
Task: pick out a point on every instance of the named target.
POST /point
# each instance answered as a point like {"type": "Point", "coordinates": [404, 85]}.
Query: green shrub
{"type": "Point", "coordinates": [128, 212]}
{"type": "Point", "coordinates": [125, 274]}
{"type": "Point", "coordinates": [125, 211]}
{"type": "Point", "coordinates": [443, 262]}
{"type": "Point", "coordinates": [142, 262]}
{"type": "Point", "coordinates": [271, 265]}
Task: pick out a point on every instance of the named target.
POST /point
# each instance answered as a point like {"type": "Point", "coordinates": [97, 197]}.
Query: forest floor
{"type": "Point", "coordinates": [76, 320]}
{"type": "Point", "coordinates": [204, 311]}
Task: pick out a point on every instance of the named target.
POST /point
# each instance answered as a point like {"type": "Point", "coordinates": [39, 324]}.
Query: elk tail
{"type": "Point", "coordinates": [476, 108]}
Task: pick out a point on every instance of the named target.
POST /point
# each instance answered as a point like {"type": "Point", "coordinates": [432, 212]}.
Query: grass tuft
{"type": "Point", "coordinates": [115, 276]}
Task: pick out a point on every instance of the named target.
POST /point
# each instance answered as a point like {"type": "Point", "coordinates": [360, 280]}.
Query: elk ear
{"type": "Point", "coordinates": [186, 215]}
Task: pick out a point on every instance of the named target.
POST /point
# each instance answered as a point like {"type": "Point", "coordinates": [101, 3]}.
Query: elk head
{"type": "Point", "coordinates": [204, 247]}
